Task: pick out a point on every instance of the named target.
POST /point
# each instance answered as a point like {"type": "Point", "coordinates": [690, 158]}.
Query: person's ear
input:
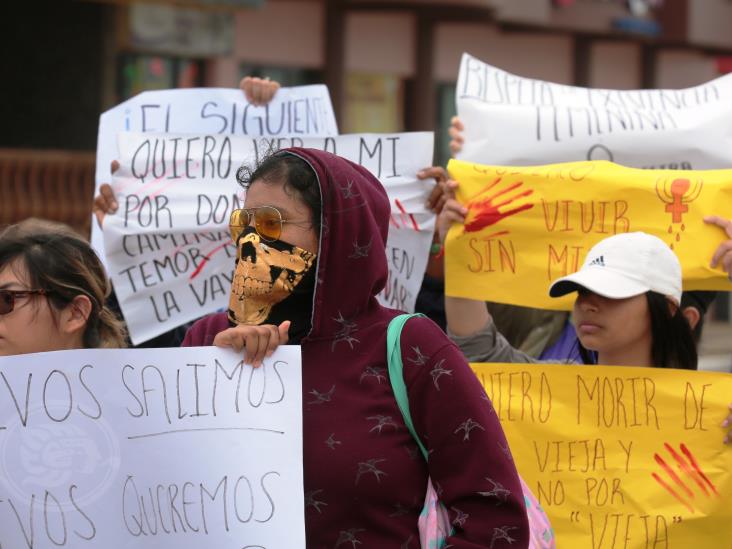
{"type": "Point", "coordinates": [693, 316]}
{"type": "Point", "coordinates": [76, 314]}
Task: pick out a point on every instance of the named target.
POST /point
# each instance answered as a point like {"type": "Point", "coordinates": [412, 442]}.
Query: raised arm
{"type": "Point", "coordinates": [469, 322]}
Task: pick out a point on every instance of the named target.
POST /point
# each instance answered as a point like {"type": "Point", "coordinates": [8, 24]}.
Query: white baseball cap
{"type": "Point", "coordinates": [626, 265]}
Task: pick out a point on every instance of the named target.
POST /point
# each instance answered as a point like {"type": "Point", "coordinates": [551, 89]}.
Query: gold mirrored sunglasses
{"type": "Point", "coordinates": [268, 222]}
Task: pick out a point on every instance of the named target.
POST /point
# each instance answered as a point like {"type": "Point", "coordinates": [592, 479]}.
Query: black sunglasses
{"type": "Point", "coordinates": [8, 297]}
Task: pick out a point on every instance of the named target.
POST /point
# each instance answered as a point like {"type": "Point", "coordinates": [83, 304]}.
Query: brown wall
{"type": "Point", "coordinates": [52, 74]}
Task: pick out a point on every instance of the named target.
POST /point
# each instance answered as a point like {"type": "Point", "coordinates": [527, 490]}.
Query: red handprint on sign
{"type": "Point", "coordinates": [484, 209]}
{"type": "Point", "coordinates": [689, 469]}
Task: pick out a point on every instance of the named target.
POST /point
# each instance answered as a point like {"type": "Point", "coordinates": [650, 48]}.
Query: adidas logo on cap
{"type": "Point", "coordinates": [599, 261]}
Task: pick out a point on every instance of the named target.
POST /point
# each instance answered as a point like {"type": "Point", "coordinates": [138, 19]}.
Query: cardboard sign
{"type": "Point", "coordinates": [170, 255]}
{"type": "Point", "coordinates": [620, 457]}
{"type": "Point", "coordinates": [158, 448]}
{"type": "Point", "coordinates": [298, 111]}
{"type": "Point", "coordinates": [526, 227]}
{"type": "Point", "coordinates": [511, 120]}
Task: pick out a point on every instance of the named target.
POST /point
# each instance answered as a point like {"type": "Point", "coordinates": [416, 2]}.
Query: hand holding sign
{"type": "Point", "coordinates": [456, 135]}
{"type": "Point", "coordinates": [258, 341]}
{"type": "Point", "coordinates": [444, 187]}
{"type": "Point", "coordinates": [258, 91]}
{"type": "Point", "coordinates": [105, 202]}
{"type": "Point", "coordinates": [453, 212]}
{"type": "Point", "coordinates": [723, 255]}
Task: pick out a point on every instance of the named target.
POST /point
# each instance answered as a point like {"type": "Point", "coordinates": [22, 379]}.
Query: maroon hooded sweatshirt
{"type": "Point", "coordinates": [365, 478]}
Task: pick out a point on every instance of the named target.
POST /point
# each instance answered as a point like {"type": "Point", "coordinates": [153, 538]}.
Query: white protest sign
{"type": "Point", "coordinates": [407, 253]}
{"type": "Point", "coordinates": [159, 448]}
{"type": "Point", "coordinates": [301, 110]}
{"type": "Point", "coordinates": [515, 121]}
{"type": "Point", "coordinates": [170, 255]}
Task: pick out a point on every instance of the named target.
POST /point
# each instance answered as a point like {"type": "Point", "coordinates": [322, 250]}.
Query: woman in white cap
{"type": "Point", "coordinates": [628, 307]}
{"type": "Point", "coordinates": [627, 312]}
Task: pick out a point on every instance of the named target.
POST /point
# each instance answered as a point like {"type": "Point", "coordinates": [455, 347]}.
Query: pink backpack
{"type": "Point", "coordinates": [434, 522]}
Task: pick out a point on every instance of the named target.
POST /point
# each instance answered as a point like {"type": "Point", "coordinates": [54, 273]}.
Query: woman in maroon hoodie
{"type": "Point", "coordinates": [310, 263]}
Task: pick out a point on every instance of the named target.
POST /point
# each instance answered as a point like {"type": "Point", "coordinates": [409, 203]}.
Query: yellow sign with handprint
{"type": "Point", "coordinates": [527, 226]}
{"type": "Point", "coordinates": [620, 457]}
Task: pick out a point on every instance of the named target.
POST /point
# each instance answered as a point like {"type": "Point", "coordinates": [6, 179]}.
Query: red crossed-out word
{"type": "Point", "coordinates": [406, 218]}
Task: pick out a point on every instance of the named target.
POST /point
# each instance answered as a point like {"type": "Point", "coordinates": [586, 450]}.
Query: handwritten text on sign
{"type": "Point", "coordinates": [520, 121]}
{"type": "Point", "coordinates": [529, 226]}
{"type": "Point", "coordinates": [168, 448]}
{"type": "Point", "coordinates": [298, 111]}
{"type": "Point", "coordinates": [620, 458]}
{"type": "Point", "coordinates": [169, 251]}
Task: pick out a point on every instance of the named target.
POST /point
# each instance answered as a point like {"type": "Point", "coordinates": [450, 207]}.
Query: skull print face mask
{"type": "Point", "coordinates": [266, 275]}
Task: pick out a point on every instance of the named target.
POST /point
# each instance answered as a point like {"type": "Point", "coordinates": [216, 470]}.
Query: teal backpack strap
{"type": "Point", "coordinates": [396, 374]}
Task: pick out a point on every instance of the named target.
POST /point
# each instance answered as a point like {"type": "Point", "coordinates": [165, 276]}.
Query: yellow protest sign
{"type": "Point", "coordinates": [529, 226]}
{"type": "Point", "coordinates": [620, 457]}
